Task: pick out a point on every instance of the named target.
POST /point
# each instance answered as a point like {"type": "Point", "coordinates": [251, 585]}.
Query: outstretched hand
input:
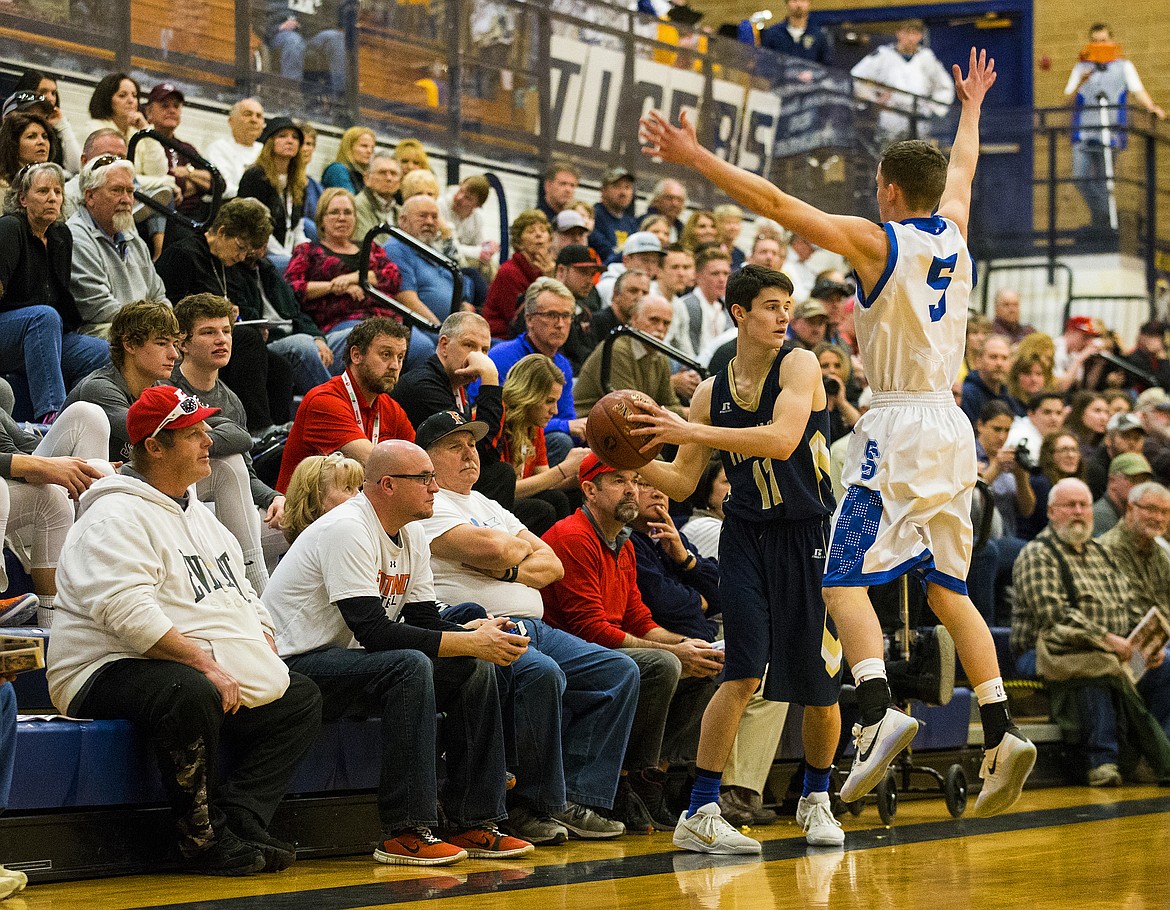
{"type": "Point", "coordinates": [979, 79]}
{"type": "Point", "coordinates": [675, 144]}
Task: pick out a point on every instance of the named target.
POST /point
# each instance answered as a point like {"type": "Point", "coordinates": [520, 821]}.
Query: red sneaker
{"type": "Point", "coordinates": [486, 841]}
{"type": "Point", "coordinates": [418, 847]}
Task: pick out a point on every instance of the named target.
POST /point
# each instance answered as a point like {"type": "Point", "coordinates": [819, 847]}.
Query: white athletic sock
{"type": "Point", "coordinates": [991, 691]}
{"type": "Point", "coordinates": [45, 610]}
{"type": "Point", "coordinates": [870, 668]}
{"type": "Point", "coordinates": [255, 570]}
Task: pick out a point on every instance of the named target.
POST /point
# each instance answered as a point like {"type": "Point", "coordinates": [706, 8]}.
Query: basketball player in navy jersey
{"type": "Point", "coordinates": [767, 414]}
{"type": "Point", "coordinates": [910, 468]}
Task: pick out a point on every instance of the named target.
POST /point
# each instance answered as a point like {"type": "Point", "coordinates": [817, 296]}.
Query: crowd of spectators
{"type": "Point", "coordinates": [447, 448]}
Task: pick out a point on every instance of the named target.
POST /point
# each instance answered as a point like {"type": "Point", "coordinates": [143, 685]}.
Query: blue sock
{"type": "Point", "coordinates": [705, 790]}
{"type": "Point", "coordinates": [816, 780]}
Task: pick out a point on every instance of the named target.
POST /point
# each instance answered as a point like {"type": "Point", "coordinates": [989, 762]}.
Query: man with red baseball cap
{"type": "Point", "coordinates": [598, 600]}
{"type": "Point", "coordinates": [157, 624]}
{"type": "Point", "coordinates": [1080, 341]}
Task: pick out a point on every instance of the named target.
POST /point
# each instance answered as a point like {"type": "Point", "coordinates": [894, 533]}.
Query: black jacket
{"type": "Point", "coordinates": [34, 273]}
{"type": "Point", "coordinates": [254, 184]}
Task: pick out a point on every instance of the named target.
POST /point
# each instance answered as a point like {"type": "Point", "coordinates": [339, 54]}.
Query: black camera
{"type": "Point", "coordinates": [1024, 456]}
{"type": "Point", "coordinates": [832, 387]}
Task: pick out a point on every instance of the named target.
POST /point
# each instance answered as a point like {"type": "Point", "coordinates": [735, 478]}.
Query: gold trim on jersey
{"type": "Point", "coordinates": [752, 406]}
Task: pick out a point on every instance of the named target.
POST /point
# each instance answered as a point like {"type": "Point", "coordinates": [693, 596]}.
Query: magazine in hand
{"type": "Point", "coordinates": [20, 654]}
{"type": "Point", "coordinates": [1147, 639]}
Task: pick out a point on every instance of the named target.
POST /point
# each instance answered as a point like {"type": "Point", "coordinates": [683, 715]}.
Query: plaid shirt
{"type": "Point", "coordinates": [1103, 601]}
{"type": "Point", "coordinates": [1148, 572]}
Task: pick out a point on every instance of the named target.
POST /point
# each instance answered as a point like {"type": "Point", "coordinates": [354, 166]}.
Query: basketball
{"type": "Point", "coordinates": [608, 431]}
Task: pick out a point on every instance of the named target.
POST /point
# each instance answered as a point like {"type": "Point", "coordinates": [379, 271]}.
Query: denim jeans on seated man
{"type": "Point", "coordinates": [32, 345]}
{"type": "Point", "coordinates": [300, 350]}
{"type": "Point", "coordinates": [406, 689]}
{"type": "Point", "coordinates": [596, 690]}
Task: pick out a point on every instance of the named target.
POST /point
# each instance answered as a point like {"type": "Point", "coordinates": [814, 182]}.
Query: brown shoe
{"type": "Point", "coordinates": [741, 806]}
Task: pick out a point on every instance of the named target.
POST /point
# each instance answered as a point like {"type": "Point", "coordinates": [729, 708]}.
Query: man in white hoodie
{"type": "Point", "coordinates": [157, 624]}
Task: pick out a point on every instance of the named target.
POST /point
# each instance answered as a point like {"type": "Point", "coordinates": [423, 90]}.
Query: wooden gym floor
{"type": "Point", "coordinates": [1071, 848]}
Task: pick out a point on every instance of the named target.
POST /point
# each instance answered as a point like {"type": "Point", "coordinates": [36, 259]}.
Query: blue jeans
{"type": "Point", "coordinates": [422, 345]}
{"type": "Point", "coordinates": [1155, 691]}
{"type": "Point", "coordinates": [291, 45]}
{"type": "Point", "coordinates": [7, 741]}
{"type": "Point", "coordinates": [300, 351]}
{"type": "Point", "coordinates": [579, 719]}
{"type": "Point", "coordinates": [32, 343]}
{"type": "Point", "coordinates": [1088, 170]}
{"type": "Point", "coordinates": [557, 446]}
{"type": "Point", "coordinates": [407, 689]}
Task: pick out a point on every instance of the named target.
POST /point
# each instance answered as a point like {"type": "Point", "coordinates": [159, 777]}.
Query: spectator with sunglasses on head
{"type": "Point", "coordinates": [38, 90]}
{"type": "Point", "coordinates": [39, 319]}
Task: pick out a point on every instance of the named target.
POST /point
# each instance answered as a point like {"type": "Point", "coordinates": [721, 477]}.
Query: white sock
{"type": "Point", "coordinates": [45, 610]}
{"type": "Point", "coordinates": [870, 668]}
{"type": "Point", "coordinates": [991, 691]}
{"type": "Point", "coordinates": [255, 570]}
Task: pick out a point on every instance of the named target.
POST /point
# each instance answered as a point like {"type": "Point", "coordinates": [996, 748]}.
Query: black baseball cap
{"type": "Point", "coordinates": [445, 423]}
{"type": "Point", "coordinates": [827, 288]}
{"type": "Point", "coordinates": [578, 254]}
{"type": "Point", "coordinates": [276, 124]}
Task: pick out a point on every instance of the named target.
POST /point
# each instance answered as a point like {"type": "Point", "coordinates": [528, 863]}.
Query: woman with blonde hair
{"type": "Point", "coordinates": [319, 484]}
{"type": "Point", "coordinates": [700, 228]}
{"type": "Point", "coordinates": [531, 393]}
{"type": "Point", "coordinates": [412, 156]}
{"type": "Point", "coordinates": [353, 157]}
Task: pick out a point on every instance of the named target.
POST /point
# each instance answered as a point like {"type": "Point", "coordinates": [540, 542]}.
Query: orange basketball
{"type": "Point", "coordinates": [608, 431]}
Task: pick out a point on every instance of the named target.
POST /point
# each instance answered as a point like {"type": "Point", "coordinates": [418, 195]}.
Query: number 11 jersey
{"type": "Point", "coordinates": [911, 327]}
{"type": "Point", "coordinates": [769, 489]}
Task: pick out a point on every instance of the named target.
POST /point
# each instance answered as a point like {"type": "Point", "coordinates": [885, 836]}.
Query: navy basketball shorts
{"type": "Point", "coordinates": [774, 616]}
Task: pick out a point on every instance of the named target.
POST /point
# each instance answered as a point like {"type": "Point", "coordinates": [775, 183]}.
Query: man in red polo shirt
{"type": "Point", "coordinates": [598, 600]}
{"type": "Point", "coordinates": [353, 412]}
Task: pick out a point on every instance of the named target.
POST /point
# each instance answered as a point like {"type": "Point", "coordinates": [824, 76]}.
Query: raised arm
{"type": "Point", "coordinates": [971, 89]}
{"type": "Point", "coordinates": [857, 239]}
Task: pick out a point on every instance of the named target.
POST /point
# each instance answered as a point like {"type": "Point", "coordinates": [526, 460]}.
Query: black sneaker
{"type": "Point", "coordinates": [227, 856]}
{"type": "Point", "coordinates": [647, 786]}
{"type": "Point", "coordinates": [277, 854]}
{"type": "Point", "coordinates": [629, 809]}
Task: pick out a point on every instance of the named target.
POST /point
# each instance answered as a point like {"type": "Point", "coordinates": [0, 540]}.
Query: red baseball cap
{"type": "Point", "coordinates": [592, 467]}
{"type": "Point", "coordinates": [163, 407]}
{"type": "Point", "coordinates": [1083, 324]}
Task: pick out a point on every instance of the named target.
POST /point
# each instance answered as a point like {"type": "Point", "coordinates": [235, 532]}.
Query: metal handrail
{"type": "Point", "coordinates": [409, 316]}
{"type": "Point", "coordinates": [651, 342]}
{"type": "Point", "coordinates": [217, 183]}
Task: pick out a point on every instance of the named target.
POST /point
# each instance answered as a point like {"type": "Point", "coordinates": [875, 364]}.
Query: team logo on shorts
{"type": "Point", "coordinates": [831, 652]}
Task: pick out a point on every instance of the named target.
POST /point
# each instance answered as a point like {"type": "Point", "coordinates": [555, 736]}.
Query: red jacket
{"type": "Point", "coordinates": [512, 280]}
{"type": "Point", "coordinates": [598, 598]}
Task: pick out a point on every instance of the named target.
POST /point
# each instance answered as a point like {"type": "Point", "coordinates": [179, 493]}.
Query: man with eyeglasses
{"type": "Point", "coordinates": [1138, 545]}
{"type": "Point", "coordinates": [353, 412]}
{"type": "Point", "coordinates": [549, 308]}
{"type": "Point", "coordinates": [1074, 593]}
{"type": "Point", "coordinates": [362, 574]}
{"type": "Point", "coordinates": [112, 265]}
{"type": "Point", "coordinates": [569, 735]}
{"type": "Point", "coordinates": [156, 624]}
{"type": "Point", "coordinates": [598, 600]}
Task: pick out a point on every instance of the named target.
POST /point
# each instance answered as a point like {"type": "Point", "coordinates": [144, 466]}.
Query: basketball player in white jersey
{"type": "Point", "coordinates": [910, 469]}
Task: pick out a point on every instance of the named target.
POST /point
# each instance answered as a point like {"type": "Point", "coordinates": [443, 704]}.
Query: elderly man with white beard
{"type": "Point", "coordinates": [112, 265]}
{"type": "Point", "coordinates": [1070, 599]}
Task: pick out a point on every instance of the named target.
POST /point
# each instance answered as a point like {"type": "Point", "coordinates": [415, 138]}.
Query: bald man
{"type": "Point", "coordinates": [633, 365]}
{"type": "Point", "coordinates": [362, 573]}
{"type": "Point", "coordinates": [236, 153]}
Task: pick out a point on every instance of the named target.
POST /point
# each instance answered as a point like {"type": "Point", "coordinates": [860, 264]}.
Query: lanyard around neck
{"type": "Point", "coordinates": [357, 411]}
